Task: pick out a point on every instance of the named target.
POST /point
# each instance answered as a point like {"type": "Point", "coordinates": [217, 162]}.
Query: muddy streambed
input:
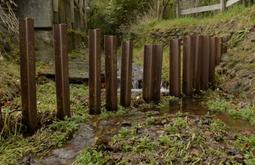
{"type": "Point", "coordinates": [183, 131]}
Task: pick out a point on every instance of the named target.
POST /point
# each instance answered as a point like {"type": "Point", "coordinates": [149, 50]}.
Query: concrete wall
{"type": "Point", "coordinates": [42, 13]}
{"type": "Point", "coordinates": [40, 10]}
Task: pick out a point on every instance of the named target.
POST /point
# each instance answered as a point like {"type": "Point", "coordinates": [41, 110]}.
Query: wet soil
{"type": "Point", "coordinates": [191, 134]}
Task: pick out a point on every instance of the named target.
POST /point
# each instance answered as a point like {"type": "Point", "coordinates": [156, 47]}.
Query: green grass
{"type": "Point", "coordinates": [15, 146]}
{"type": "Point", "coordinates": [237, 20]}
{"type": "Point", "coordinates": [218, 104]}
{"type": "Point", "coordinates": [9, 80]}
{"type": "Point", "coordinates": [189, 142]}
{"type": "Point", "coordinates": [235, 12]}
{"type": "Point", "coordinates": [91, 157]}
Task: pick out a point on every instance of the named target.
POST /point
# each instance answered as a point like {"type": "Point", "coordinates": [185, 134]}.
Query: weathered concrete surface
{"type": "Point", "coordinates": [40, 10]}
{"type": "Point", "coordinates": [78, 71]}
{"type": "Point", "coordinates": [44, 46]}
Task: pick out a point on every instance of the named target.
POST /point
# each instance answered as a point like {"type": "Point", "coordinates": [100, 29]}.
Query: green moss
{"type": "Point", "coordinates": [9, 80]}
{"type": "Point", "coordinates": [91, 157]}
{"type": "Point", "coordinates": [15, 146]}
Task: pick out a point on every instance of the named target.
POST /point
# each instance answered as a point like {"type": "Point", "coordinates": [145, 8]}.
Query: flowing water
{"type": "Point", "coordinates": [102, 130]}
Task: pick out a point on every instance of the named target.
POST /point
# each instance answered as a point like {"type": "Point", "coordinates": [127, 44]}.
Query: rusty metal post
{"type": "Point", "coordinates": [219, 50]}
{"type": "Point", "coordinates": [212, 59]}
{"type": "Point", "coordinates": [147, 73]}
{"type": "Point", "coordinates": [175, 67]}
{"type": "Point", "coordinates": [205, 63]}
{"type": "Point", "coordinates": [188, 65]}
{"type": "Point", "coordinates": [95, 71]}
{"type": "Point", "coordinates": [198, 62]}
{"type": "Point", "coordinates": [157, 56]}
{"type": "Point", "coordinates": [61, 71]}
{"type": "Point", "coordinates": [126, 73]}
{"type": "Point", "coordinates": [27, 74]}
{"type": "Point", "coordinates": [110, 43]}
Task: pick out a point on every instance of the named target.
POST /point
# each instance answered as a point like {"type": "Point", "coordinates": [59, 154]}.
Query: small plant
{"type": "Point", "coordinates": [124, 132]}
{"type": "Point", "coordinates": [145, 144]}
{"type": "Point", "coordinates": [126, 147]}
{"type": "Point", "coordinates": [91, 157]}
{"type": "Point", "coordinates": [165, 140]}
{"type": "Point", "coordinates": [180, 122]}
{"type": "Point", "coordinates": [170, 129]}
{"type": "Point", "coordinates": [217, 126]}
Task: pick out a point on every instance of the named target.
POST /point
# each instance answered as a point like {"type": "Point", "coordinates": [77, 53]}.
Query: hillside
{"type": "Point", "coordinates": [236, 74]}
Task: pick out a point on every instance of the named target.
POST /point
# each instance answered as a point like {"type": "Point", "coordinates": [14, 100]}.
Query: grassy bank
{"type": "Point", "coordinates": [172, 139]}
{"type": "Point", "coordinates": [235, 75]}
{"type": "Point", "coordinates": [53, 133]}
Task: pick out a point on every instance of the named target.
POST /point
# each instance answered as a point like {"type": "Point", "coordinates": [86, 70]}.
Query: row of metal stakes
{"type": "Point", "coordinates": [28, 73]}
{"type": "Point", "coordinates": [192, 68]}
{"type": "Point", "coordinates": [200, 56]}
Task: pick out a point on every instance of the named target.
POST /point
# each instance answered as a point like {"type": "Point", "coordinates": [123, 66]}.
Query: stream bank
{"type": "Point", "coordinates": [181, 132]}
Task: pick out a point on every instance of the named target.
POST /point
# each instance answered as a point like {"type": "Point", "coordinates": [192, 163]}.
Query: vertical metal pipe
{"type": "Point", "coordinates": [212, 59]}
{"type": "Point", "coordinates": [95, 71]}
{"type": "Point", "coordinates": [126, 73]}
{"type": "Point", "coordinates": [205, 63]}
{"type": "Point", "coordinates": [61, 71]}
{"type": "Point", "coordinates": [111, 72]}
{"type": "Point", "coordinates": [157, 56]}
{"type": "Point", "coordinates": [175, 67]}
{"type": "Point", "coordinates": [147, 73]}
{"type": "Point", "coordinates": [188, 65]}
{"type": "Point", "coordinates": [198, 62]}
{"type": "Point", "coordinates": [27, 74]}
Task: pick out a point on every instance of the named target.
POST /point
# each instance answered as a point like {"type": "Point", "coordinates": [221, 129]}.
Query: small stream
{"type": "Point", "coordinates": [103, 130]}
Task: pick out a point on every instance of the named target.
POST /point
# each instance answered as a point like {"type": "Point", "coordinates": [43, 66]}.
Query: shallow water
{"type": "Point", "coordinates": [101, 131]}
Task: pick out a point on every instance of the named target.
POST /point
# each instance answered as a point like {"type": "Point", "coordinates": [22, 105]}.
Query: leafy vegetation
{"type": "Point", "coordinates": [178, 139]}
{"type": "Point", "coordinates": [111, 15]}
{"type": "Point", "coordinates": [13, 145]}
{"type": "Point", "coordinates": [238, 111]}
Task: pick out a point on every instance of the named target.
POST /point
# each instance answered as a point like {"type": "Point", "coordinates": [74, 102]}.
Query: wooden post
{"type": "Point", "coordinates": [212, 59]}
{"type": "Point", "coordinates": [126, 73]}
{"type": "Point", "coordinates": [147, 73]}
{"type": "Point", "coordinates": [61, 71]}
{"type": "Point", "coordinates": [157, 56]}
{"type": "Point", "coordinates": [95, 71]}
{"type": "Point", "coordinates": [188, 65]}
{"type": "Point", "coordinates": [111, 72]}
{"type": "Point", "coordinates": [205, 63]}
{"type": "Point", "coordinates": [198, 62]}
{"type": "Point", "coordinates": [27, 74]}
{"type": "Point", "coordinates": [175, 68]}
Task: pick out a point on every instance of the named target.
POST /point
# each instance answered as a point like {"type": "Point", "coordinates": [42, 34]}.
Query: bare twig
{"type": "Point", "coordinates": [7, 16]}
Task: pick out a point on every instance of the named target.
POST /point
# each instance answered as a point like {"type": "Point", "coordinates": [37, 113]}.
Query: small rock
{"type": "Point", "coordinates": [239, 158]}
{"type": "Point", "coordinates": [126, 124]}
{"type": "Point", "coordinates": [163, 122]}
{"type": "Point", "coordinates": [232, 152]}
